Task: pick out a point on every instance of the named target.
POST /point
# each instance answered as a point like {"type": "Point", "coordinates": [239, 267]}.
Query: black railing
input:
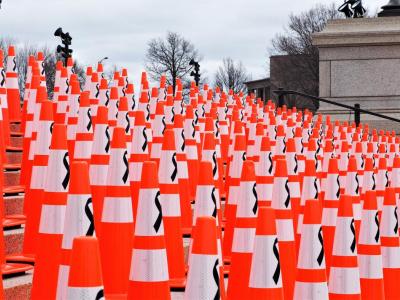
{"type": "Point", "coordinates": [356, 108]}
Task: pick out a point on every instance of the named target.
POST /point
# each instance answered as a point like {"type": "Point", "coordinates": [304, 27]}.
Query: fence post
{"type": "Point", "coordinates": [281, 97]}
{"type": "Point", "coordinates": [357, 114]}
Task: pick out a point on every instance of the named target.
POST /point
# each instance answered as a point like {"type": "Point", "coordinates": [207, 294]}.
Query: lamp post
{"type": "Point", "coordinates": [196, 72]}
{"type": "Point", "coordinates": [66, 40]}
{"type": "Point", "coordinates": [392, 9]}
{"type": "Point", "coordinates": [103, 59]}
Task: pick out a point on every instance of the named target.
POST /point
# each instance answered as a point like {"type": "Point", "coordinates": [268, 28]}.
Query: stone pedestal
{"type": "Point", "coordinates": [360, 63]}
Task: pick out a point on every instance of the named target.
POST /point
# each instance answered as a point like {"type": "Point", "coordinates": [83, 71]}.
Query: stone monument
{"type": "Point", "coordinates": [360, 63]}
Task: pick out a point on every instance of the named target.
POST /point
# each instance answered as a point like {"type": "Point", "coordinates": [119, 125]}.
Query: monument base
{"type": "Point", "coordinates": [359, 62]}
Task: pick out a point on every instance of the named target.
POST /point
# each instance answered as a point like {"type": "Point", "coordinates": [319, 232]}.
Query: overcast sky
{"type": "Point", "coordinates": [120, 29]}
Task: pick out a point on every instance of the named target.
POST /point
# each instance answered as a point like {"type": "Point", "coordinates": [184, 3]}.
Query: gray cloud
{"type": "Point", "coordinates": [120, 29]}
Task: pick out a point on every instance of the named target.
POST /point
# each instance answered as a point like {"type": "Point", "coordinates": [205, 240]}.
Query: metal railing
{"type": "Point", "coordinates": [356, 108]}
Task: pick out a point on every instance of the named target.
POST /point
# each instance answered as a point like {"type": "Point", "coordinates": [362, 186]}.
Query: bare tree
{"type": "Point", "coordinates": [170, 56]}
{"type": "Point", "coordinates": [299, 69]}
{"type": "Point", "coordinates": [231, 75]}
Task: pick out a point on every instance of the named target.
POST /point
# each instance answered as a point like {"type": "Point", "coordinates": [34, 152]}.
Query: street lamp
{"type": "Point", "coordinates": [352, 8]}
{"type": "Point", "coordinates": [101, 60]}
{"type": "Point", "coordinates": [391, 9]}
{"type": "Point", "coordinates": [66, 40]}
{"type": "Point", "coordinates": [196, 72]}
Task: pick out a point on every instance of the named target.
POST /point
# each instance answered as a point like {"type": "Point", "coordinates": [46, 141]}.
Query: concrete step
{"type": "Point", "coordinates": [14, 157]}
{"type": "Point", "coordinates": [13, 240]}
{"type": "Point", "coordinates": [16, 140]}
{"type": "Point", "coordinates": [11, 178]}
{"type": "Point", "coordinates": [13, 205]}
{"type": "Point", "coordinates": [19, 287]}
{"type": "Point", "coordinates": [15, 127]}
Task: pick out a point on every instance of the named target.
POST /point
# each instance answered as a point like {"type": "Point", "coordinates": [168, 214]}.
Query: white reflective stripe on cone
{"type": "Point", "coordinates": [342, 246]}
{"type": "Point", "coordinates": [84, 293]}
{"type": "Point", "coordinates": [284, 229]}
{"type": "Point", "coordinates": [201, 283]}
{"type": "Point", "coordinates": [52, 219]}
{"type": "Point", "coordinates": [204, 205]}
{"type": "Point", "coordinates": [370, 266]}
{"type": "Point", "coordinates": [83, 149]}
{"type": "Point", "coordinates": [279, 193]}
{"type": "Point", "coordinates": [117, 210]}
{"type": "Point", "coordinates": [62, 283]}
{"type": "Point", "coordinates": [233, 195]}
{"type": "Point", "coordinates": [310, 233]}
{"type": "Point", "coordinates": [344, 281]}
{"type": "Point", "coordinates": [98, 175]}
{"type": "Point", "coordinates": [77, 220]}
{"type": "Point", "coordinates": [147, 204]}
{"type": "Point", "coordinates": [170, 204]}
{"type": "Point", "coordinates": [167, 167]}
{"type": "Point", "coordinates": [369, 228]}
{"type": "Point", "coordinates": [57, 170]}
{"type": "Point", "coordinates": [329, 216]}
{"type": "Point", "coordinates": [37, 177]}
{"type": "Point", "coordinates": [294, 188]}
{"type": "Point", "coordinates": [264, 191]}
{"type": "Point", "coordinates": [135, 171]}
{"type": "Point", "coordinates": [243, 240]}
{"type": "Point", "coordinates": [305, 290]}
{"type": "Point", "coordinates": [391, 257]}
{"type": "Point", "coordinates": [149, 265]}
{"type": "Point", "coordinates": [263, 255]}
{"type": "Point", "coordinates": [117, 168]}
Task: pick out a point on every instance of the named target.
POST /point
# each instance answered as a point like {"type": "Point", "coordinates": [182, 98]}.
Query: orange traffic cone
{"type": "Point", "coordinates": [183, 175]}
{"type": "Point", "coordinates": [284, 225]}
{"type": "Point", "coordinates": [84, 131]}
{"type": "Point", "coordinates": [148, 277]}
{"type": "Point", "coordinates": [99, 161]}
{"type": "Point", "coordinates": [243, 235]}
{"type": "Point", "coordinates": [192, 155]}
{"type": "Point", "coordinates": [78, 220]}
{"type": "Point", "coordinates": [52, 216]}
{"type": "Point", "coordinates": [265, 275]}
{"type": "Point", "coordinates": [204, 273]}
{"type": "Point", "coordinates": [369, 250]}
{"type": "Point", "coordinates": [311, 280]}
{"type": "Point", "coordinates": [34, 195]}
{"type": "Point", "coordinates": [158, 127]}
{"type": "Point", "coordinates": [13, 97]}
{"type": "Point", "coordinates": [344, 278]}
{"type": "Point", "coordinates": [117, 219]}
{"type": "Point", "coordinates": [170, 202]}
{"type": "Point", "coordinates": [85, 279]}
{"type": "Point", "coordinates": [390, 244]}
{"type": "Point", "coordinates": [4, 102]}
{"type": "Point", "coordinates": [139, 154]}
{"type": "Point", "coordinates": [207, 203]}
{"type": "Point", "coordinates": [264, 173]}
{"type": "Point", "coordinates": [330, 207]}
{"type": "Point", "coordinates": [310, 190]}
{"type": "Point", "coordinates": [233, 184]}
{"type": "Point", "coordinates": [382, 181]}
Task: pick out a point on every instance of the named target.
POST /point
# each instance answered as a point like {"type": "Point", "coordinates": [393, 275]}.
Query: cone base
{"type": "Point", "coordinates": [149, 290]}
{"type": "Point", "coordinates": [9, 269]}
{"type": "Point", "coordinates": [344, 297]}
{"type": "Point", "coordinates": [177, 283]}
{"type": "Point", "coordinates": [271, 293]}
{"type": "Point", "coordinates": [21, 258]}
